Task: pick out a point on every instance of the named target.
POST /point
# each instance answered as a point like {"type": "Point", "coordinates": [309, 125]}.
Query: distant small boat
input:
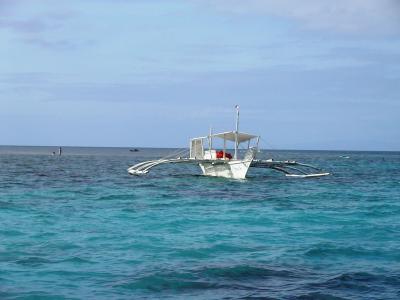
{"type": "Point", "coordinates": [134, 150]}
{"type": "Point", "coordinates": [344, 156]}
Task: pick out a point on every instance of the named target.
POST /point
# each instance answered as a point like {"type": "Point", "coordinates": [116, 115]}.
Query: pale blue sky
{"type": "Point", "coordinates": [309, 74]}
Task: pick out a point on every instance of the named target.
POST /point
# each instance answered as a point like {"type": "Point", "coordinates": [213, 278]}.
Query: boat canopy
{"type": "Point", "coordinates": [231, 136]}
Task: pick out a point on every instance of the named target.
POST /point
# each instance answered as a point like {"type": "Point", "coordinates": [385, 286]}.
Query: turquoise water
{"type": "Point", "coordinates": [79, 227]}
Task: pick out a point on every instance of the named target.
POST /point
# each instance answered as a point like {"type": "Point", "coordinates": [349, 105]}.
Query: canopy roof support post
{"type": "Point", "coordinates": [237, 131]}
{"type": "Point", "coordinates": [224, 147]}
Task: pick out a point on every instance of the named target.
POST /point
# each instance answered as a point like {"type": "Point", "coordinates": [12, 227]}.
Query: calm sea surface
{"type": "Point", "coordinates": [79, 227]}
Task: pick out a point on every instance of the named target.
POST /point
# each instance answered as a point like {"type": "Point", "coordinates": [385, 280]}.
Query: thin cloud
{"type": "Point", "coordinates": [52, 45]}
{"type": "Point", "coordinates": [36, 24]}
{"type": "Point", "coordinates": [354, 16]}
{"type": "Point", "coordinates": [24, 26]}
{"type": "Point", "coordinates": [32, 29]}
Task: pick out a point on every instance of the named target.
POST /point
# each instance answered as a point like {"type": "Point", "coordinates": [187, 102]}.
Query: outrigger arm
{"type": "Point", "coordinates": [144, 167]}
{"type": "Point", "coordinates": [291, 168]}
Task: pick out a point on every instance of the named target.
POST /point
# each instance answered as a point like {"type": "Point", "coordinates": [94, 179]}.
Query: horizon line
{"type": "Point", "coordinates": [175, 147]}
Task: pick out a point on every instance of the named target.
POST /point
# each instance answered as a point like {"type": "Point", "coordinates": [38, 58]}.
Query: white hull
{"type": "Point", "coordinates": [236, 169]}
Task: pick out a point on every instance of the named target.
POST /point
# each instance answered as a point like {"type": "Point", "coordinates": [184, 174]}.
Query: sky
{"type": "Point", "coordinates": [309, 74]}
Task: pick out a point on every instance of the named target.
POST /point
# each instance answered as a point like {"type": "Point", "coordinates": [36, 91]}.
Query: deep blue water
{"type": "Point", "coordinates": [79, 227]}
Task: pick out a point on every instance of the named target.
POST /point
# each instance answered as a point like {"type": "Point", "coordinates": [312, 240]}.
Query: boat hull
{"type": "Point", "coordinates": [236, 169]}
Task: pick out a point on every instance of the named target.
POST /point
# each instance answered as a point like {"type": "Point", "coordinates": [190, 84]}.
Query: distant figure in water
{"type": "Point", "coordinates": [54, 153]}
{"type": "Point", "coordinates": [59, 151]}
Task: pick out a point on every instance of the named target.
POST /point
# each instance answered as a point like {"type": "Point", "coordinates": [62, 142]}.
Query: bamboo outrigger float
{"type": "Point", "coordinates": [223, 164]}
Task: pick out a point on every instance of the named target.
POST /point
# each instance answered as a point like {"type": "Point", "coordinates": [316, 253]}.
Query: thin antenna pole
{"type": "Point", "coordinates": [210, 139]}
{"type": "Point", "coordinates": [237, 131]}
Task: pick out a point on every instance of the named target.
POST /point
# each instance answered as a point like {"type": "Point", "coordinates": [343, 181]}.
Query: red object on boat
{"type": "Point", "coordinates": [220, 154]}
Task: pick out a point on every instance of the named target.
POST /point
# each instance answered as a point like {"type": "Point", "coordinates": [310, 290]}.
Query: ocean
{"type": "Point", "coordinates": [80, 227]}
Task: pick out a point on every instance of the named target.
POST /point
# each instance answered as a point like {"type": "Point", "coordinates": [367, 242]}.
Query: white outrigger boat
{"type": "Point", "coordinates": [222, 164]}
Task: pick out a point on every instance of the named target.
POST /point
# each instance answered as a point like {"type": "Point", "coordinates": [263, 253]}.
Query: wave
{"type": "Point", "coordinates": [272, 282]}
{"type": "Point", "coordinates": [33, 261]}
{"type": "Point", "coordinates": [361, 285]}
{"type": "Point", "coordinates": [326, 250]}
{"type": "Point", "coordinates": [226, 277]}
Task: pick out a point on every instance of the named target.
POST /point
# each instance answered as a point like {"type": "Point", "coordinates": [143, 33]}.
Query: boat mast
{"type": "Point", "coordinates": [237, 131]}
{"type": "Point", "coordinates": [210, 140]}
